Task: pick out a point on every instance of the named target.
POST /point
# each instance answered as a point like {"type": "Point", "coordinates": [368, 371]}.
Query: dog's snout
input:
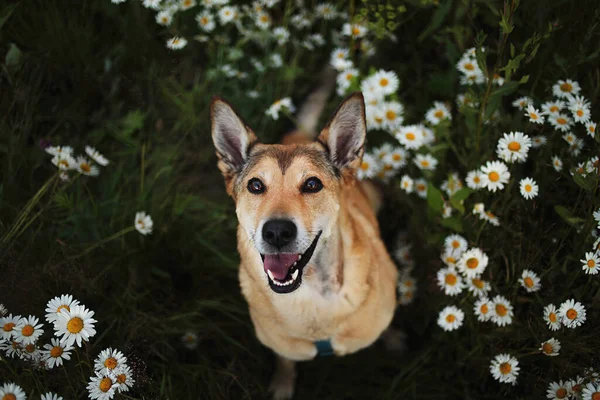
{"type": "Point", "coordinates": [279, 232]}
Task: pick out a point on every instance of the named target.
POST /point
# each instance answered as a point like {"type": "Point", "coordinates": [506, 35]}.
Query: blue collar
{"type": "Point", "coordinates": [324, 347]}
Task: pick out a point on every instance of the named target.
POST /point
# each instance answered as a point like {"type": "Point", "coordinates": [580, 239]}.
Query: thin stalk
{"type": "Point", "coordinates": [103, 241]}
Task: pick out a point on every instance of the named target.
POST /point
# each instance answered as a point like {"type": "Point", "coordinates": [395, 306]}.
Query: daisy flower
{"type": "Point", "coordinates": [551, 317]}
{"type": "Point", "coordinates": [27, 330]}
{"type": "Point", "coordinates": [425, 162]}
{"type": "Point", "coordinates": [75, 325]}
{"type": "Point", "coordinates": [11, 391]}
{"type": "Point", "coordinates": [152, 4]}
{"type": "Point", "coordinates": [344, 79]}
{"type": "Point", "coordinates": [465, 100]}
{"type": "Point", "coordinates": [449, 280]}
{"type": "Point", "coordinates": [55, 353]}
{"type": "Point", "coordinates": [164, 18]}
{"type": "Point", "coordinates": [591, 263]}
{"type": "Point", "coordinates": [402, 254]}
{"type": "Point", "coordinates": [277, 106]}
{"type": "Point", "coordinates": [206, 21]}
{"type": "Point", "coordinates": [227, 14]}
{"type": "Point", "coordinates": [446, 211]}
{"type": "Point", "coordinates": [438, 113]}
{"type": "Point", "coordinates": [552, 107]}
{"type": "Point", "coordinates": [421, 188]}
{"type": "Point", "coordinates": [550, 347]}
{"type": "Point", "coordinates": [563, 89]}
{"type": "Point", "coordinates": [580, 110]}
{"type": "Point", "coordinates": [392, 113]}
{"type": "Point", "coordinates": [530, 281]}
{"type": "Point", "coordinates": [478, 287]}
{"type": "Point", "coordinates": [497, 79]}
{"type": "Point", "coordinates": [51, 396]}
{"type": "Point", "coordinates": [478, 209]}
{"type": "Point", "coordinates": [96, 156]}
{"type": "Point", "coordinates": [474, 179]}
{"type": "Point", "coordinates": [513, 147]}
{"type": "Point", "coordinates": [505, 368]}
{"type": "Point", "coordinates": [406, 284]}
{"type": "Point", "coordinates": [59, 150]}
{"type": "Point", "coordinates": [502, 311]}
{"type": "Point", "coordinates": [560, 122]}
{"type": "Point", "coordinates": [495, 175]}
{"type": "Point", "coordinates": [538, 141]}
{"type": "Point", "coordinates": [534, 115]}
{"type": "Point", "coordinates": [109, 360]}
{"type": "Point", "coordinates": [407, 183]}
{"type": "Point", "coordinates": [522, 102]}
{"type": "Point", "coordinates": [529, 188]}
{"type": "Point", "coordinates": [386, 81]}
{"type": "Point", "coordinates": [396, 157]}
{"type": "Point", "coordinates": [8, 326]}
{"type": "Point", "coordinates": [176, 43]}
{"type": "Point", "coordinates": [85, 167]}
{"type": "Point", "coordinates": [455, 242]}
{"type": "Point", "coordinates": [190, 340]}
{"type": "Point", "coordinates": [368, 167]}
{"type": "Point", "coordinates": [452, 185]}
{"type": "Point", "coordinates": [354, 30]}
{"type": "Point", "coordinates": [143, 223]}
{"type": "Point", "coordinates": [468, 65]}
{"type": "Point", "coordinates": [11, 348]}
{"type": "Point", "coordinates": [281, 34]}
{"type": "Point", "coordinates": [410, 136]}
{"type": "Point", "coordinates": [102, 387]}
{"type": "Point", "coordinates": [428, 136]}
{"type": "Point", "coordinates": [326, 11]}
{"type": "Point", "coordinates": [557, 163]}
{"type": "Point", "coordinates": [275, 61]}
{"type": "Point", "coordinates": [576, 147]}
{"type": "Point", "coordinates": [571, 313]}
{"type": "Point", "coordinates": [474, 78]}
{"type": "Point", "coordinates": [482, 309]}
{"type": "Point", "coordinates": [591, 391]}
{"type": "Point", "coordinates": [450, 258]}
{"type": "Point", "coordinates": [450, 318]}
{"type": "Point", "coordinates": [187, 4]}
{"type": "Point", "coordinates": [57, 304]}
{"type": "Point", "coordinates": [596, 215]}
{"type": "Point", "coordinates": [590, 128]}
{"type": "Point", "coordinates": [558, 390]}
{"type": "Point", "coordinates": [339, 59]}
{"type": "Point", "coordinates": [406, 298]}
{"type": "Point", "coordinates": [124, 378]}
{"type": "Point", "coordinates": [472, 263]}
{"type": "Point", "coordinates": [64, 162]}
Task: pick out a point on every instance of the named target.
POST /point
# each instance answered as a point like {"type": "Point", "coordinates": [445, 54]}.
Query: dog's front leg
{"type": "Point", "coordinates": [284, 378]}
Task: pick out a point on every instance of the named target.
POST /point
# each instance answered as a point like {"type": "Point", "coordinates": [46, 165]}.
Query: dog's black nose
{"type": "Point", "coordinates": [279, 232]}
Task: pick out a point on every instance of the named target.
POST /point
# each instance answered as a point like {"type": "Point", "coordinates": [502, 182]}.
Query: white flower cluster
{"type": "Point", "coordinates": [407, 284]}
{"type": "Point", "coordinates": [65, 161]}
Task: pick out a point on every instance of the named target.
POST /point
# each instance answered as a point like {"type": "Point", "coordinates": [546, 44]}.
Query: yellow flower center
{"type": "Point", "coordinates": [505, 368]}
{"type": "Point", "coordinates": [528, 188]}
{"type": "Point", "coordinates": [424, 163]}
{"type": "Point", "coordinates": [8, 327]}
{"type": "Point", "coordinates": [450, 318]}
{"type": "Point", "coordinates": [121, 378]}
{"type": "Point", "coordinates": [566, 87]}
{"type": "Point", "coordinates": [552, 317]}
{"type": "Point", "coordinates": [408, 283]}
{"type": "Point", "coordinates": [204, 20]}
{"type": "Point", "coordinates": [420, 187]}
{"type": "Point", "coordinates": [364, 166]}
{"type": "Point", "coordinates": [396, 157]}
{"type": "Point", "coordinates": [561, 393]}
{"type": "Point", "coordinates": [469, 67]}
{"type": "Point", "coordinates": [56, 351]}
{"type": "Point", "coordinates": [596, 396]}
{"type": "Point", "coordinates": [27, 330]}
{"type": "Point", "coordinates": [484, 309]}
{"type": "Point", "coordinates": [528, 282]}
{"type": "Point", "coordinates": [85, 167]}
{"type": "Point", "coordinates": [501, 310]}
{"type": "Point", "coordinates": [478, 283]}
{"type": "Point", "coordinates": [451, 260]}
{"type": "Point", "coordinates": [592, 128]}
{"type": "Point", "coordinates": [472, 263]}
{"type": "Point", "coordinates": [580, 113]}
{"type": "Point", "coordinates": [547, 348]}
{"type": "Point", "coordinates": [476, 179]}
{"type": "Point", "coordinates": [30, 348]}
{"type": "Point", "coordinates": [438, 114]}
{"type": "Point", "coordinates": [355, 31]}
{"type": "Point", "coordinates": [63, 307]}
{"type": "Point", "coordinates": [450, 279]}
{"type": "Point", "coordinates": [571, 314]}
{"type": "Point", "coordinates": [390, 115]}
{"type": "Point", "coordinates": [105, 384]}
{"type": "Point", "coordinates": [378, 120]}
{"type": "Point", "coordinates": [410, 136]}
{"type": "Point", "coordinates": [455, 244]}
{"type": "Point", "coordinates": [554, 109]}
{"type": "Point", "coordinates": [533, 116]}
{"type": "Point", "coordinates": [514, 146]}
{"type": "Point", "coordinates": [349, 76]}
{"type": "Point", "coordinates": [75, 325]}
{"type": "Point", "coordinates": [187, 3]}
{"type": "Point", "coordinates": [591, 263]}
{"type": "Point", "coordinates": [9, 396]}
{"type": "Point", "coordinates": [561, 121]}
{"type": "Point", "coordinates": [265, 18]}
{"type": "Point", "coordinates": [494, 176]}
{"type": "Point", "coordinates": [388, 167]}
{"type": "Point", "coordinates": [383, 82]}
{"type": "Point", "coordinates": [110, 363]}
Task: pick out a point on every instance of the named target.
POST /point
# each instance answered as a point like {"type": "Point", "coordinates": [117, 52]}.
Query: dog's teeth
{"type": "Point", "coordinates": [299, 257]}
{"type": "Point", "coordinates": [270, 275]}
{"type": "Point", "coordinates": [295, 275]}
{"type": "Point", "coordinates": [294, 264]}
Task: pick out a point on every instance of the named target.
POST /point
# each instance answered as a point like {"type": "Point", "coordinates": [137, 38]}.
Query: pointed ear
{"type": "Point", "coordinates": [231, 136]}
{"type": "Point", "coordinates": [344, 135]}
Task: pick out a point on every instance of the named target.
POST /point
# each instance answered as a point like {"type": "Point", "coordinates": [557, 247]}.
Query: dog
{"type": "Point", "coordinates": [314, 270]}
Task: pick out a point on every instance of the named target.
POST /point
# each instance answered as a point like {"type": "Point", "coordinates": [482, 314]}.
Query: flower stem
{"type": "Point", "coordinates": [103, 241]}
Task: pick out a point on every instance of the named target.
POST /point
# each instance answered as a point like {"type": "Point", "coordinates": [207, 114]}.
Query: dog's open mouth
{"type": "Point", "coordinates": [284, 270]}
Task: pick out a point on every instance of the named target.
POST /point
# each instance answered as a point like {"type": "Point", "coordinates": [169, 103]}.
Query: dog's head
{"type": "Point", "coordinates": [287, 196]}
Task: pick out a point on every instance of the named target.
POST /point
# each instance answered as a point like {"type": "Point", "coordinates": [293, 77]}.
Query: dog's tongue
{"type": "Point", "coordinates": [279, 264]}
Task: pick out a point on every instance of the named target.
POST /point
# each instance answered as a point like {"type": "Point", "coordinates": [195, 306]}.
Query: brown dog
{"type": "Point", "coordinates": [313, 267]}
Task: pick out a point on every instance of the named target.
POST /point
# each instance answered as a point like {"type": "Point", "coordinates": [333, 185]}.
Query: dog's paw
{"type": "Point", "coordinates": [394, 340]}
{"type": "Point", "coordinates": [281, 387]}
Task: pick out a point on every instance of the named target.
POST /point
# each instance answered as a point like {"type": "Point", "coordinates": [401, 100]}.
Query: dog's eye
{"type": "Point", "coordinates": [256, 186]}
{"type": "Point", "coordinates": [312, 185]}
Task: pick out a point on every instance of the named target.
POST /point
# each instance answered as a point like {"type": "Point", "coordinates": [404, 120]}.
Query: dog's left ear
{"type": "Point", "coordinates": [344, 135]}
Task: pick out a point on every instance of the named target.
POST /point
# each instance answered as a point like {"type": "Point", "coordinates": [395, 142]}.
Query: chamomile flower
{"type": "Point", "coordinates": [560, 122]}
{"type": "Point", "coordinates": [450, 318]}
{"type": "Point", "coordinates": [109, 360]}
{"type": "Point", "coordinates": [84, 167]}
{"type": "Point", "coordinates": [392, 115]}
{"type": "Point", "coordinates": [206, 21]}
{"type": "Point", "coordinates": [143, 223]}
{"type": "Point", "coordinates": [478, 287]}
{"type": "Point", "coordinates": [11, 391]}
{"type": "Point", "coordinates": [410, 136]}
{"type": "Point", "coordinates": [28, 330]}
{"type": "Point", "coordinates": [482, 309]}
{"type": "Point", "coordinates": [190, 340]}
{"type": "Point", "coordinates": [55, 353]}
{"type": "Point", "coordinates": [75, 325]}
{"type": "Point", "coordinates": [450, 281]}
{"type": "Point", "coordinates": [176, 43]}
{"type": "Point", "coordinates": [478, 209]}
{"type": "Point", "coordinates": [566, 88]}
{"type": "Point", "coordinates": [550, 347]}
{"type": "Point", "coordinates": [505, 368]}
{"type": "Point", "coordinates": [102, 387]}
{"type": "Point", "coordinates": [590, 128]}
{"type": "Point", "coordinates": [275, 60]}
{"type": "Point", "coordinates": [502, 311]}
{"type": "Point", "coordinates": [558, 390]}
{"type": "Point", "coordinates": [57, 304]}
{"type": "Point", "coordinates": [591, 391]}
{"type": "Point", "coordinates": [8, 324]}
{"type": "Point", "coordinates": [530, 281]}
{"type": "Point", "coordinates": [571, 313]}
{"type": "Point", "coordinates": [425, 162]}
{"type": "Point", "coordinates": [465, 100]}
{"type": "Point", "coordinates": [473, 78]}
{"type": "Point", "coordinates": [421, 188]}
{"type": "Point", "coordinates": [354, 30]}
{"type": "Point", "coordinates": [96, 156]}
{"type": "Point", "coordinates": [186, 4]}
{"type": "Point", "coordinates": [529, 188]}
{"type": "Point", "coordinates": [11, 348]}
{"type": "Point", "coordinates": [326, 11]}
{"type": "Point", "coordinates": [591, 263]}
{"type": "Point", "coordinates": [59, 150]}
{"type": "Point", "coordinates": [450, 258]}
{"type": "Point", "coordinates": [407, 183]}
{"type": "Point", "coordinates": [455, 243]}
{"type": "Point", "coordinates": [446, 211]}
{"type": "Point", "coordinates": [164, 18]}
{"type": "Point", "coordinates": [522, 103]}
{"type": "Point", "coordinates": [472, 262]}
{"type": "Point", "coordinates": [513, 147]}
{"type": "Point", "coordinates": [553, 107]}
{"type": "Point", "coordinates": [339, 59]}
{"type": "Point", "coordinates": [538, 141]}
{"type": "Point", "coordinates": [438, 113]}
{"type": "Point", "coordinates": [152, 4]}
{"type": "Point", "coordinates": [344, 79]}
{"type": "Point", "coordinates": [534, 115]}
{"type": "Point", "coordinates": [368, 167]}
{"type": "Point", "coordinates": [51, 396]}
{"type": "Point", "coordinates": [396, 157]}
{"type": "Point", "coordinates": [278, 106]}
{"type": "Point", "coordinates": [123, 376]}
{"type": "Point", "coordinates": [475, 179]}
{"type": "Point", "coordinates": [557, 163]}
{"type": "Point", "coordinates": [406, 298]}
{"type": "Point", "coordinates": [580, 109]}
{"type": "Point", "coordinates": [406, 284]}
{"type": "Point", "coordinates": [281, 34]}
{"type": "Point", "coordinates": [402, 254]}
{"type": "Point", "coordinates": [428, 135]}
{"type": "Point", "coordinates": [452, 185]}
{"type": "Point", "coordinates": [576, 147]}
{"type": "Point", "coordinates": [596, 215]}
{"type": "Point", "coordinates": [551, 317]}
{"type": "Point", "coordinates": [64, 162]}
{"type": "Point", "coordinates": [386, 81]}
{"type": "Point", "coordinates": [495, 175]}
{"type": "Point", "coordinates": [227, 15]}
{"type": "Point", "coordinates": [468, 65]}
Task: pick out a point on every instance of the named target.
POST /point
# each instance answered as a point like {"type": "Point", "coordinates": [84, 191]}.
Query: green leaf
{"type": "Point", "coordinates": [454, 223]}
{"type": "Point", "coordinates": [459, 197]}
{"type": "Point", "coordinates": [507, 88]}
{"type": "Point", "coordinates": [505, 25]}
{"type": "Point", "coordinates": [586, 183]}
{"type": "Point", "coordinates": [435, 199]}
{"type": "Point", "coordinates": [567, 217]}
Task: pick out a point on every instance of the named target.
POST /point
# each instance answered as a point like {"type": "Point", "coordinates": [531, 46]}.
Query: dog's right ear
{"type": "Point", "coordinates": [231, 136]}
